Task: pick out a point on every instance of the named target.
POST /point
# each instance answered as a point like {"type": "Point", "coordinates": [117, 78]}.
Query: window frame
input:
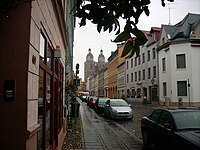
{"type": "Point", "coordinates": [180, 88]}
{"type": "Point", "coordinates": [180, 62]}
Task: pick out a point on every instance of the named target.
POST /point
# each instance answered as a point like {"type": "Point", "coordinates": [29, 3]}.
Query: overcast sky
{"type": "Point", "coordinates": [88, 37]}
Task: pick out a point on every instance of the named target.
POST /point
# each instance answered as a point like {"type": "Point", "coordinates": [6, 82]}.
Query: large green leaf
{"type": "Point", "coordinates": [127, 48]}
{"type": "Point", "coordinates": [141, 38]}
{"type": "Point", "coordinates": [124, 36]}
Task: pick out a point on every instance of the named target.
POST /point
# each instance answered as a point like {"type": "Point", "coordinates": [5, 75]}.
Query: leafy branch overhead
{"type": "Point", "coordinates": [106, 14]}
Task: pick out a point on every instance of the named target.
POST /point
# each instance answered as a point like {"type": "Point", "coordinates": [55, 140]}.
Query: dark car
{"type": "Point", "coordinates": [100, 104]}
{"type": "Point", "coordinates": [92, 101]}
{"type": "Point", "coordinates": [118, 109]}
{"type": "Point", "coordinates": [172, 129]}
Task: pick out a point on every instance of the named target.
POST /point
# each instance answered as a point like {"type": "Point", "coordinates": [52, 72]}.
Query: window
{"type": "Point", "coordinates": [139, 93]}
{"type": "Point", "coordinates": [127, 80]}
{"type": "Point", "coordinates": [135, 61]}
{"type": "Point", "coordinates": [148, 54]}
{"type": "Point", "coordinates": [143, 57]}
{"type": "Point", "coordinates": [154, 53]}
{"type": "Point", "coordinates": [149, 73]}
{"type": "Point", "coordinates": [163, 65]}
{"type": "Point", "coordinates": [154, 71]}
{"type": "Point", "coordinates": [165, 117]}
{"type": "Point", "coordinates": [42, 47]}
{"type": "Point", "coordinates": [164, 89]}
{"type": "Point", "coordinates": [139, 60]}
{"type": "Point", "coordinates": [131, 77]}
{"type": "Point", "coordinates": [135, 76]}
{"type": "Point", "coordinates": [131, 62]}
{"type": "Point", "coordinates": [49, 56]}
{"type": "Point", "coordinates": [127, 64]}
{"type": "Point", "coordinates": [133, 93]}
{"type": "Point", "coordinates": [155, 115]}
{"type": "Point", "coordinates": [143, 74]}
{"type": "Point", "coordinates": [163, 40]}
{"type": "Point", "coordinates": [182, 88]}
{"type": "Point", "coordinates": [180, 61]}
{"type": "Point", "coordinates": [49, 93]}
{"type": "Point", "coordinates": [139, 74]}
{"type": "Point", "coordinates": [128, 93]}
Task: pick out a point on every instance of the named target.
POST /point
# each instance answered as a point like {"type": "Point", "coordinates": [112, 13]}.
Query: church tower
{"type": "Point", "coordinates": [89, 65]}
{"type": "Point", "coordinates": [101, 61]}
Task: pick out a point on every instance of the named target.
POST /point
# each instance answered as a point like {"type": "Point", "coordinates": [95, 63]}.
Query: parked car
{"type": "Point", "coordinates": [92, 101]}
{"type": "Point", "coordinates": [100, 104]}
{"type": "Point", "coordinates": [172, 129]}
{"type": "Point", "coordinates": [118, 109]}
{"type": "Point", "coordinates": [84, 96]}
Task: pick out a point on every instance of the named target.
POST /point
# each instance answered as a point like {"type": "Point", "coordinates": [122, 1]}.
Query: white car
{"type": "Point", "coordinates": [118, 109]}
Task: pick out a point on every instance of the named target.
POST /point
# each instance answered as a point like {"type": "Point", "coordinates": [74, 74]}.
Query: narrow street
{"type": "Point", "coordinates": [102, 133]}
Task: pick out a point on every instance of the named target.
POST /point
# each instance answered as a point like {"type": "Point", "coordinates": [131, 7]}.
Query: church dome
{"type": "Point", "coordinates": [89, 56]}
{"type": "Point", "coordinates": [101, 57]}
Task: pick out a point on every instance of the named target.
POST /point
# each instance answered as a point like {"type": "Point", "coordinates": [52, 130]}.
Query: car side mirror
{"type": "Point", "coordinates": [129, 105]}
{"type": "Point", "coordinates": [107, 105]}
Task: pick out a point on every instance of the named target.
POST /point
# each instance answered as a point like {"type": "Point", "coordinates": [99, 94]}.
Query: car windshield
{"type": "Point", "coordinates": [187, 120]}
{"type": "Point", "coordinates": [103, 100]}
{"type": "Point", "coordinates": [85, 94]}
{"type": "Point", "coordinates": [118, 103]}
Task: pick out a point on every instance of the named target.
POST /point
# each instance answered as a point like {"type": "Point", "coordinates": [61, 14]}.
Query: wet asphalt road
{"type": "Point", "coordinates": [102, 133]}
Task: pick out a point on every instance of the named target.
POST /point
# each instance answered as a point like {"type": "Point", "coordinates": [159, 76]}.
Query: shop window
{"type": "Point", "coordinates": [138, 93]}
{"type": "Point", "coordinates": [133, 93]}
{"type": "Point", "coordinates": [49, 56]}
{"type": "Point", "coordinates": [49, 93]}
{"type": "Point", "coordinates": [128, 93]}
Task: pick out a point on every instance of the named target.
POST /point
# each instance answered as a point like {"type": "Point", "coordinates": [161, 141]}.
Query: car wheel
{"type": "Point", "coordinates": [145, 138]}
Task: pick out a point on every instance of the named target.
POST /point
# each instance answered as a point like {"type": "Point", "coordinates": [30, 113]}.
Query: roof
{"type": "Point", "coordinates": [183, 28]}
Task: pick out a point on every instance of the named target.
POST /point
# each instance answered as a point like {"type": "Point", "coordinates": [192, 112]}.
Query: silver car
{"type": "Point", "coordinates": [118, 109]}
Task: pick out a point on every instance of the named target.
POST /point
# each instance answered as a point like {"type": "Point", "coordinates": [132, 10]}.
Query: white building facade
{"type": "Point", "coordinates": [141, 71]}
{"type": "Point", "coordinates": [179, 53]}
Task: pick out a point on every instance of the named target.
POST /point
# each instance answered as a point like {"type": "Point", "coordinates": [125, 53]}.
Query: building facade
{"type": "Point", "coordinates": [33, 43]}
{"type": "Point", "coordinates": [121, 88]}
{"type": "Point", "coordinates": [179, 52]}
{"type": "Point", "coordinates": [112, 74]}
{"type": "Point", "coordinates": [141, 71]}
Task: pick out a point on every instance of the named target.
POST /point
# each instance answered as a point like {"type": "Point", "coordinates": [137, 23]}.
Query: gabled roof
{"type": "Point", "coordinates": [183, 28]}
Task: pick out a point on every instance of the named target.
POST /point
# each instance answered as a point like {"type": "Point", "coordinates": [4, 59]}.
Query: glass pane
{"type": "Point", "coordinates": [40, 107]}
{"type": "Point", "coordinates": [49, 56]}
{"type": "Point", "coordinates": [48, 102]}
{"type": "Point", "coordinates": [42, 47]}
{"type": "Point", "coordinates": [182, 88]}
{"type": "Point", "coordinates": [180, 61]}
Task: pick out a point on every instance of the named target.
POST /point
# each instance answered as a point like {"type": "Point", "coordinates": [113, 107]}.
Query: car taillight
{"type": "Point", "coordinates": [93, 102]}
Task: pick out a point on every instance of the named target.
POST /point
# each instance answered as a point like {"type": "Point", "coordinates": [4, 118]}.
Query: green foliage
{"type": "Point", "coordinates": [106, 14]}
{"type": "Point", "coordinates": [71, 89]}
